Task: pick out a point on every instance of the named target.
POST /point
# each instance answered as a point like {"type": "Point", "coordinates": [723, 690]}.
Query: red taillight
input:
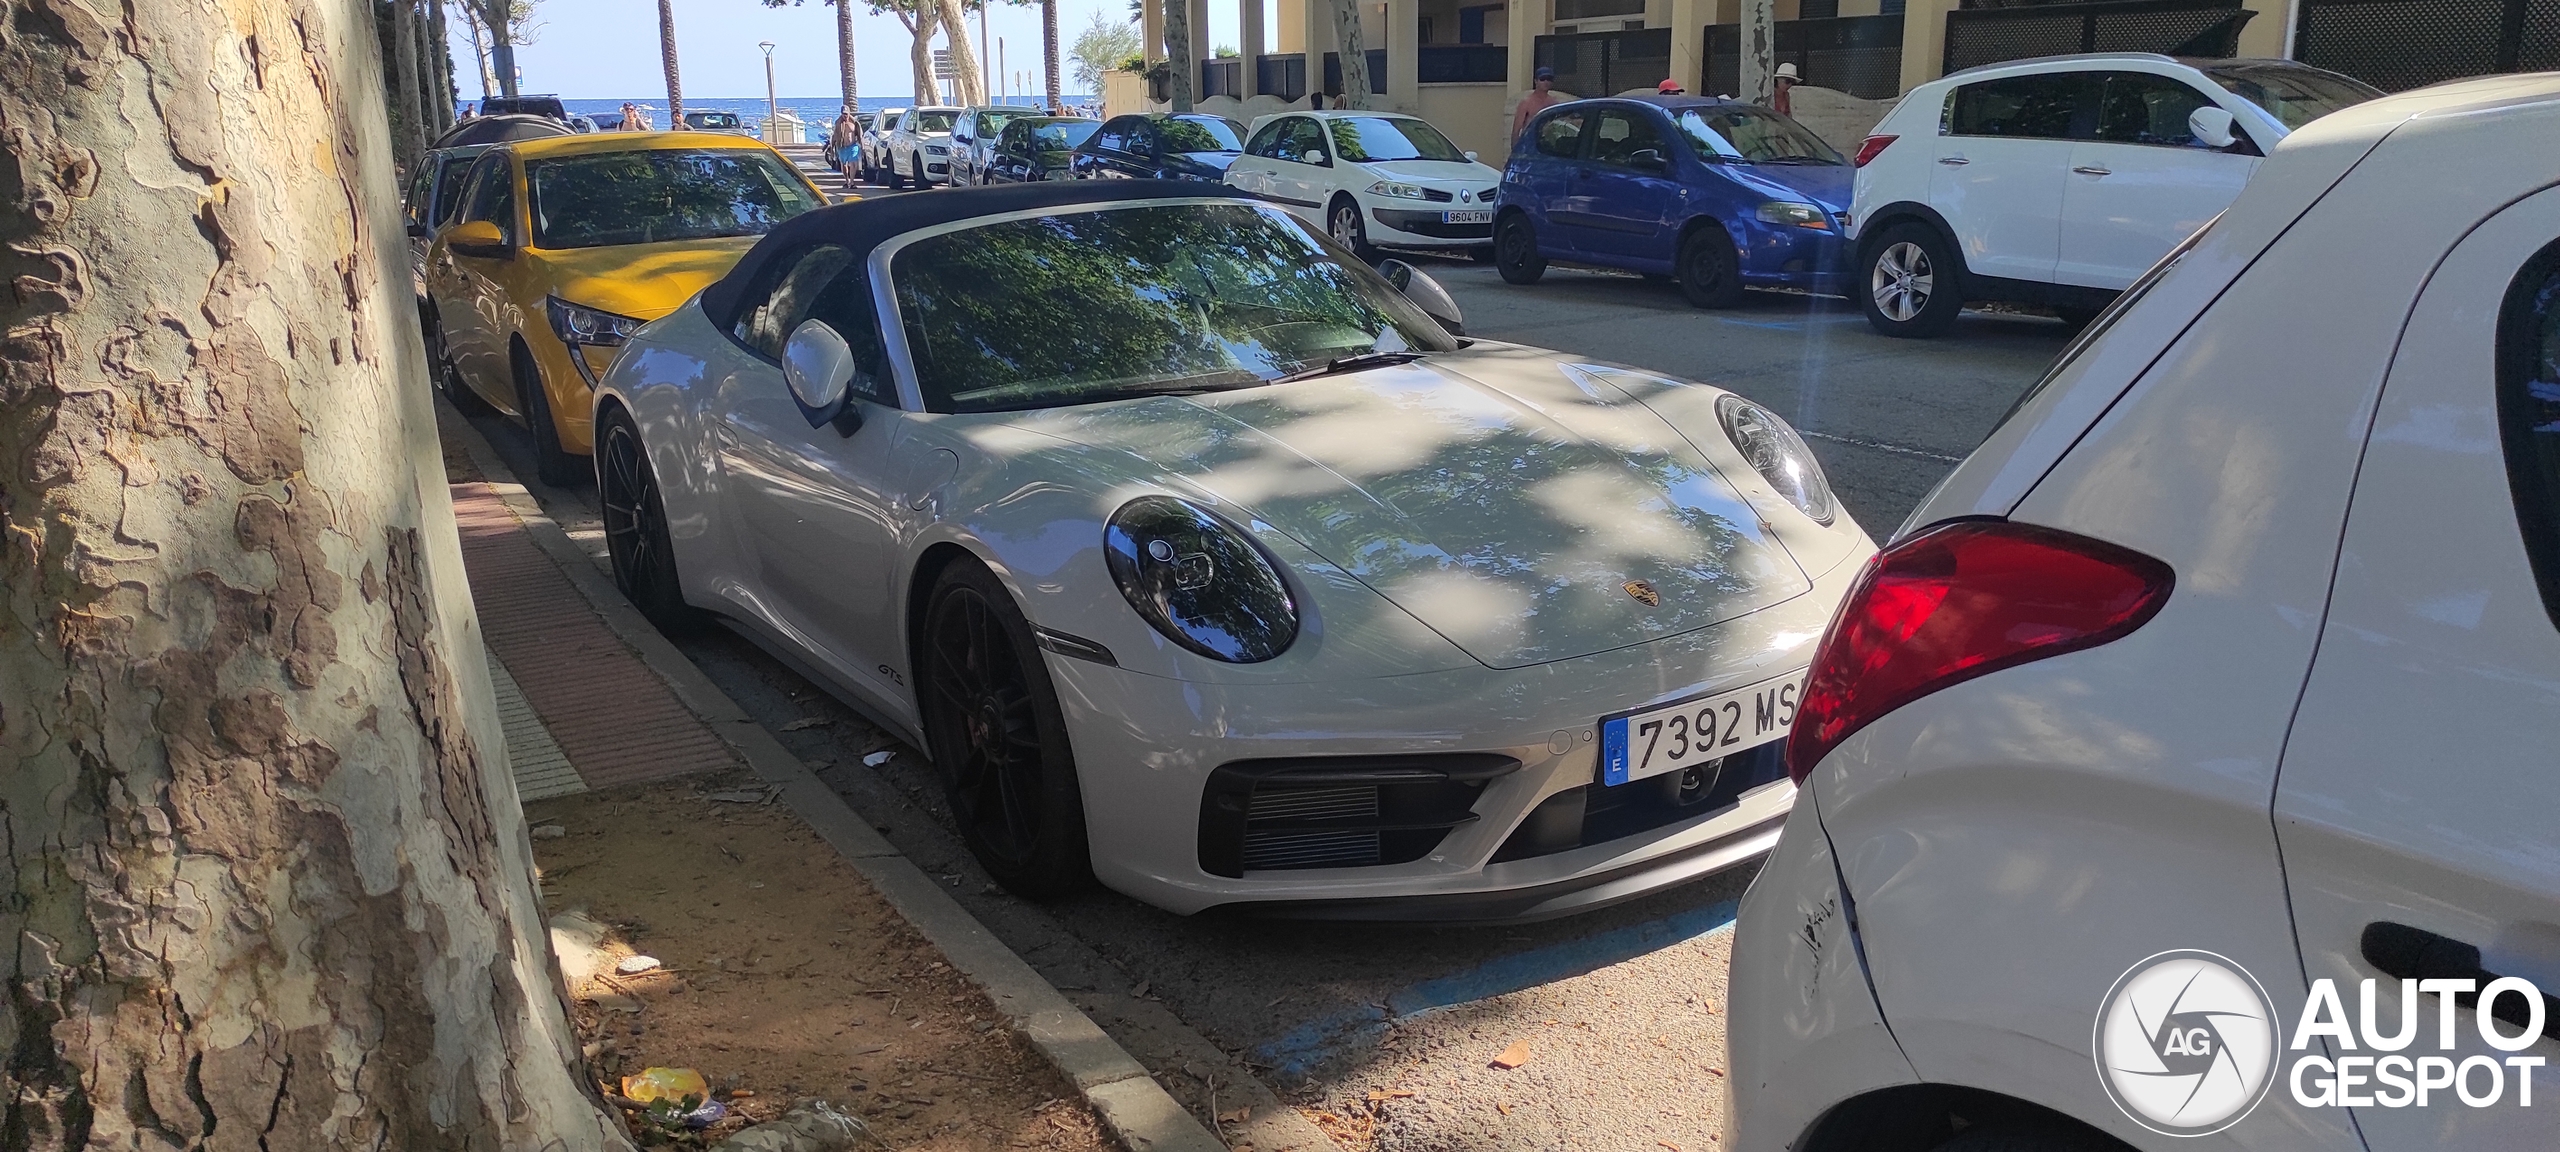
{"type": "Point", "coordinates": [1958, 601]}
{"type": "Point", "coordinates": [1868, 150]}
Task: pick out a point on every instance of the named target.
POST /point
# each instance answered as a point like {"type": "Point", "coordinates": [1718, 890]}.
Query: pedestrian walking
{"type": "Point", "coordinates": [1541, 95]}
{"type": "Point", "coordinates": [630, 117]}
{"type": "Point", "coordinates": [847, 133]}
{"type": "Point", "coordinates": [1785, 79]}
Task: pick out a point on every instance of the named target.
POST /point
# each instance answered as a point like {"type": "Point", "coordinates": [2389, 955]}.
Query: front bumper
{"type": "Point", "coordinates": [1147, 747]}
{"type": "Point", "coordinates": [1785, 256]}
{"type": "Point", "coordinates": [1423, 227]}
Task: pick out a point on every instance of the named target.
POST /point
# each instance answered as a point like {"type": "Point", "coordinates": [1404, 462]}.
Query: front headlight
{"type": "Point", "coordinates": [936, 150]}
{"type": "Point", "coordinates": [1779, 455]}
{"type": "Point", "coordinates": [577, 324]}
{"type": "Point", "coordinates": [1796, 213]}
{"type": "Point", "coordinates": [1396, 189]}
{"type": "Point", "coordinates": [1199, 581]}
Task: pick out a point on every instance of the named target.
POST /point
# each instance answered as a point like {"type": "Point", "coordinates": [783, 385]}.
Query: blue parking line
{"type": "Point", "coordinates": [1309, 1045]}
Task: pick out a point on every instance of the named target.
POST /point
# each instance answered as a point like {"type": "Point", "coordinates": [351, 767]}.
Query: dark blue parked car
{"type": "Point", "coordinates": [1717, 193]}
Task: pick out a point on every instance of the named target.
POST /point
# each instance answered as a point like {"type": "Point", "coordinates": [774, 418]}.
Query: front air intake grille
{"type": "Point", "coordinates": [1436, 196]}
{"type": "Point", "coordinates": [1338, 812]}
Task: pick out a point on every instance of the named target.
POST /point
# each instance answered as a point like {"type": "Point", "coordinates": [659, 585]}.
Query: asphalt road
{"type": "Point", "coordinates": [1389, 1030]}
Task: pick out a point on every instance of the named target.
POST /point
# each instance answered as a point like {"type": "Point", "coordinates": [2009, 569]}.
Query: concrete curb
{"type": "Point", "coordinates": [1141, 1115]}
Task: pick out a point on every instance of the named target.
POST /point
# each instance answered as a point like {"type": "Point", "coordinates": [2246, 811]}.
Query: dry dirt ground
{"type": "Point", "coordinates": [785, 976]}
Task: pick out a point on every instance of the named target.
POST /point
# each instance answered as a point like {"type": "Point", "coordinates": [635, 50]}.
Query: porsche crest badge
{"type": "Point", "coordinates": [1643, 592]}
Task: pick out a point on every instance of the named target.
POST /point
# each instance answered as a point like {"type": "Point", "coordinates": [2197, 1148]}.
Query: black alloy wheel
{"type": "Point", "coordinates": [448, 378]}
{"type": "Point", "coordinates": [998, 734]}
{"type": "Point", "coordinates": [551, 461]}
{"type": "Point", "coordinates": [635, 528]}
{"type": "Point", "coordinates": [1515, 250]}
{"type": "Point", "coordinates": [1710, 268]}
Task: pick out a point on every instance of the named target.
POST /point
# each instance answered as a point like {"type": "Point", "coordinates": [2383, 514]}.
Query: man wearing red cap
{"type": "Point", "coordinates": [1667, 88]}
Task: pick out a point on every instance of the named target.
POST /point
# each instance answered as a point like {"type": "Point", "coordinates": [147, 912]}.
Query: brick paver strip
{"type": "Point", "coordinates": [613, 718]}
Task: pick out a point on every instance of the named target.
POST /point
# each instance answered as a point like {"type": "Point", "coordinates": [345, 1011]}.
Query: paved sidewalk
{"type": "Point", "coordinates": [612, 719]}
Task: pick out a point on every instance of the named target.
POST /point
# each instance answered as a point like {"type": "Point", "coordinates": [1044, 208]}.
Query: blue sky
{"type": "Point", "coordinates": [608, 49]}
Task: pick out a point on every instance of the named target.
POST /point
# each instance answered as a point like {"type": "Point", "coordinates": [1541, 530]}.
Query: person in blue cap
{"type": "Point", "coordinates": [1540, 96]}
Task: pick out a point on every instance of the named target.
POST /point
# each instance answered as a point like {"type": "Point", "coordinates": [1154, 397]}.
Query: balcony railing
{"type": "Point", "coordinates": [1462, 64]}
{"type": "Point", "coordinates": [1223, 76]}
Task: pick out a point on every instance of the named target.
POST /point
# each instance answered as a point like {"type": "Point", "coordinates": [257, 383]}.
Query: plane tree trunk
{"type": "Point", "coordinates": [263, 878]}
{"type": "Point", "coordinates": [408, 86]}
{"type": "Point", "coordinates": [969, 85]}
{"type": "Point", "coordinates": [1354, 53]}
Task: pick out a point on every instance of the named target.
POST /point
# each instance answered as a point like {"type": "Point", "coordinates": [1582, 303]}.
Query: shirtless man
{"type": "Point", "coordinates": [1537, 99]}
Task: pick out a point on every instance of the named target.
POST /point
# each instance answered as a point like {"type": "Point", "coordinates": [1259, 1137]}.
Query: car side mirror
{"type": "Point", "coordinates": [2212, 127]}
{"type": "Point", "coordinates": [1425, 293]}
{"type": "Point", "coordinates": [478, 238]}
{"type": "Point", "coordinates": [419, 231]}
{"type": "Point", "coordinates": [1312, 157]}
{"type": "Point", "coordinates": [1471, 155]}
{"type": "Point", "coordinates": [1649, 160]}
{"type": "Point", "coordinates": [819, 367]}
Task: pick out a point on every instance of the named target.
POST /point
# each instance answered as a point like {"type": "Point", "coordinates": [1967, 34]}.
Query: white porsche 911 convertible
{"type": "Point", "coordinates": [1207, 561]}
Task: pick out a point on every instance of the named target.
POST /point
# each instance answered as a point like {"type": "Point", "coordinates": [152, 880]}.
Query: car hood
{"type": "Point", "coordinates": [1504, 498]}
{"type": "Point", "coordinates": [642, 281]}
{"type": "Point", "coordinates": [1463, 172]}
{"type": "Point", "coordinates": [1826, 184]}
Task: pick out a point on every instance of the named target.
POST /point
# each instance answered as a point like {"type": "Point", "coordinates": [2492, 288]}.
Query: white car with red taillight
{"type": "Point", "coordinates": [2237, 643]}
{"type": "Point", "coordinates": [2056, 181]}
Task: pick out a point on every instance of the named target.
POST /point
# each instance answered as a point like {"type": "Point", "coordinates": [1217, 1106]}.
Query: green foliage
{"type": "Point", "coordinates": [1225, 52]}
{"type": "Point", "coordinates": [1103, 46]}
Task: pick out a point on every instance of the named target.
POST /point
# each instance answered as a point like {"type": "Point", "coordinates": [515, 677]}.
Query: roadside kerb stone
{"type": "Point", "coordinates": [1140, 1114]}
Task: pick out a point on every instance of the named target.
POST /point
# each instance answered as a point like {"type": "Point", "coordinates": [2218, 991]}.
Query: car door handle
{"type": "Point", "coordinates": [2408, 953]}
{"type": "Point", "coordinates": [2093, 170]}
{"type": "Point", "coordinates": [1953, 160]}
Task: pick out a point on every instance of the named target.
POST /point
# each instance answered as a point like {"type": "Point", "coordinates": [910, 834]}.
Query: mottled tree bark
{"type": "Point", "coordinates": [1354, 52]}
{"type": "Point", "coordinates": [968, 86]}
{"type": "Point", "coordinates": [920, 49]}
{"type": "Point", "coordinates": [408, 89]}
{"type": "Point", "coordinates": [1759, 51]}
{"type": "Point", "coordinates": [440, 52]}
{"type": "Point", "coordinates": [1177, 53]}
{"type": "Point", "coordinates": [263, 879]}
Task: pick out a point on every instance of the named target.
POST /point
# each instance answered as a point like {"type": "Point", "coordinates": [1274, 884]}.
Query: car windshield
{"type": "Point", "coordinates": [936, 121]}
{"type": "Point", "coordinates": [649, 197]}
{"type": "Point", "coordinates": [2293, 94]}
{"type": "Point", "coordinates": [992, 123]}
{"type": "Point", "coordinates": [1754, 136]}
{"type": "Point", "coordinates": [712, 119]}
{"type": "Point", "coordinates": [1369, 139]}
{"type": "Point", "coordinates": [1169, 298]}
{"type": "Point", "coordinates": [1064, 135]}
{"type": "Point", "coordinates": [1202, 134]}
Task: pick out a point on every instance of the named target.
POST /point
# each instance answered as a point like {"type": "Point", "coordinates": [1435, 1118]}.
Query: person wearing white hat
{"type": "Point", "coordinates": [1785, 79]}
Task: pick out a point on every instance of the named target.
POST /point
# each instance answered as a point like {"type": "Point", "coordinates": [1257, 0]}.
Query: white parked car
{"type": "Point", "coordinates": [1372, 179]}
{"type": "Point", "coordinates": [2226, 670]}
{"type": "Point", "coordinates": [1242, 580]}
{"type": "Point", "coordinates": [920, 147]}
{"type": "Point", "coordinates": [876, 128]}
{"type": "Point", "coordinates": [973, 140]}
{"type": "Point", "coordinates": [2057, 181]}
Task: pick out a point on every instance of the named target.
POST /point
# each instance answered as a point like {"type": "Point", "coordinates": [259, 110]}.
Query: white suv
{"type": "Point", "coordinates": [2057, 181]}
{"type": "Point", "coordinates": [2181, 776]}
{"type": "Point", "coordinates": [920, 147]}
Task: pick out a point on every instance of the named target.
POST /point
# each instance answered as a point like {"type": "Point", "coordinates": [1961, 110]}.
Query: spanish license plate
{"type": "Point", "coordinates": [1670, 737]}
{"type": "Point", "coordinates": [1467, 216]}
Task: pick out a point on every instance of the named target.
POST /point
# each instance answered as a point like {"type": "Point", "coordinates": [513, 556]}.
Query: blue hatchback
{"type": "Point", "coordinates": [1720, 194]}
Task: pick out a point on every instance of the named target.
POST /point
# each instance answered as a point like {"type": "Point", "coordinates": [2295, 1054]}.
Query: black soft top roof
{"type": "Point", "coordinates": [866, 224]}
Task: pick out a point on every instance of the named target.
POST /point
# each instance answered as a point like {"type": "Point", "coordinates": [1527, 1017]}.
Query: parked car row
{"type": "Point", "coordinates": [2105, 761]}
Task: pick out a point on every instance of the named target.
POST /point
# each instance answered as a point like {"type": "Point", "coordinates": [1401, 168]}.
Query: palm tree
{"type": "Point", "coordinates": [844, 53]}
{"type": "Point", "coordinates": [1049, 49]}
{"type": "Point", "coordinates": [667, 51]}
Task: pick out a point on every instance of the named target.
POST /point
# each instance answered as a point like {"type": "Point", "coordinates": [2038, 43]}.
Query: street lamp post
{"type": "Point", "coordinates": [772, 109]}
